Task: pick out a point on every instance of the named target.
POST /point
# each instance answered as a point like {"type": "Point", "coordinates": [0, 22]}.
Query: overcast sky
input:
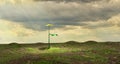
{"type": "Point", "coordinates": [24, 21]}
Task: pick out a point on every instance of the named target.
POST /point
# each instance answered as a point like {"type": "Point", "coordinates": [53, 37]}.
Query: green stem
{"type": "Point", "coordinates": [49, 37]}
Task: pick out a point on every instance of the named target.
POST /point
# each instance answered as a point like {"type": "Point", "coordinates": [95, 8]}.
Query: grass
{"type": "Point", "coordinates": [95, 53]}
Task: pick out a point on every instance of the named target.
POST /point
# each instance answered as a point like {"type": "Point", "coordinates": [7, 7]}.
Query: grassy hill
{"type": "Point", "coordinates": [71, 52]}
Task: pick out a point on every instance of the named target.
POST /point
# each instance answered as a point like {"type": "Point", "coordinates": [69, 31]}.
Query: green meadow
{"type": "Point", "coordinates": [61, 53]}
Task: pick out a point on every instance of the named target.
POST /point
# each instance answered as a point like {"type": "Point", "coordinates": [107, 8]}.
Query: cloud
{"type": "Point", "coordinates": [11, 31]}
{"type": "Point", "coordinates": [17, 29]}
{"type": "Point", "coordinates": [108, 33]}
{"type": "Point", "coordinates": [37, 14]}
{"type": "Point", "coordinates": [14, 2]}
{"type": "Point", "coordinates": [80, 20]}
{"type": "Point", "coordinates": [86, 1]}
{"type": "Point", "coordinates": [15, 32]}
{"type": "Point", "coordinates": [113, 21]}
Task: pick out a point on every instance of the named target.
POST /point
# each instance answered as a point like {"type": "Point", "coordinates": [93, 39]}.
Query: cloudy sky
{"type": "Point", "coordinates": [24, 21]}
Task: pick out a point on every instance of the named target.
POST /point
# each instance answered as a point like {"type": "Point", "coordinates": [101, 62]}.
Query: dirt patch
{"type": "Point", "coordinates": [25, 59]}
{"type": "Point", "coordinates": [114, 60]}
{"type": "Point", "coordinates": [30, 59]}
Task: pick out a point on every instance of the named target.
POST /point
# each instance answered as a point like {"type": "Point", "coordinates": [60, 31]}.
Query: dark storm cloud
{"type": "Point", "coordinates": [60, 14]}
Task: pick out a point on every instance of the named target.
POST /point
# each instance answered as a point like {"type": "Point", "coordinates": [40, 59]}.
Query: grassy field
{"type": "Point", "coordinates": [64, 53]}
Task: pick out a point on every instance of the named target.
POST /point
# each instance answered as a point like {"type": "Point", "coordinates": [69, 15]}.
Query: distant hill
{"type": "Point", "coordinates": [72, 42]}
{"type": "Point", "coordinates": [91, 42]}
{"type": "Point", "coordinates": [39, 43]}
{"type": "Point", "coordinates": [13, 43]}
{"type": "Point", "coordinates": [87, 42]}
{"type": "Point", "coordinates": [68, 42]}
